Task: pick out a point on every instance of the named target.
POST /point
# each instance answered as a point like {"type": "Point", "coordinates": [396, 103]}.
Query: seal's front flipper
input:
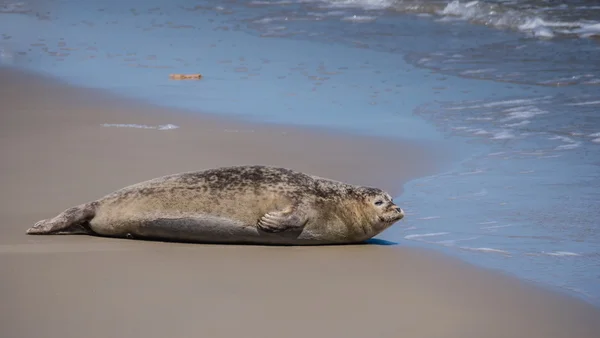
{"type": "Point", "coordinates": [71, 221]}
{"type": "Point", "coordinates": [280, 221]}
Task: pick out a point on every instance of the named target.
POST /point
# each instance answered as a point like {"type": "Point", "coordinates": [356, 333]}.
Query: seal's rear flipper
{"type": "Point", "coordinates": [71, 221]}
{"type": "Point", "coordinates": [280, 221]}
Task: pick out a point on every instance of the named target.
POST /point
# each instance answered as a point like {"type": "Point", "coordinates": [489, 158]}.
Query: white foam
{"type": "Point", "coordinates": [487, 250]}
{"type": "Point", "coordinates": [568, 146]}
{"type": "Point", "coordinates": [561, 253]}
{"type": "Point", "coordinates": [366, 4]}
{"type": "Point", "coordinates": [141, 126]}
{"type": "Point", "coordinates": [456, 8]}
{"type": "Point", "coordinates": [426, 235]}
{"type": "Point", "coordinates": [588, 30]}
{"type": "Point", "coordinates": [479, 118]}
{"type": "Point", "coordinates": [481, 192]}
{"type": "Point", "coordinates": [6, 57]}
{"type": "Point", "coordinates": [14, 7]}
{"type": "Point", "coordinates": [503, 135]}
{"type": "Point", "coordinates": [359, 18]}
{"type": "Point", "coordinates": [271, 2]}
{"type": "Point", "coordinates": [529, 22]}
{"type": "Point", "coordinates": [518, 124]}
{"type": "Point", "coordinates": [520, 102]}
{"type": "Point", "coordinates": [429, 217]}
{"type": "Point", "coordinates": [592, 82]}
{"type": "Point", "coordinates": [588, 103]}
{"type": "Point", "coordinates": [474, 172]}
{"type": "Point", "coordinates": [480, 132]}
{"type": "Point", "coordinates": [264, 20]}
{"type": "Point", "coordinates": [167, 127]}
{"type": "Point", "coordinates": [521, 113]}
{"type": "Point", "coordinates": [571, 144]}
{"type": "Point", "coordinates": [493, 227]}
{"type": "Point", "coordinates": [335, 13]}
{"type": "Point", "coordinates": [497, 14]}
{"type": "Point", "coordinates": [452, 242]}
{"type": "Point", "coordinates": [537, 26]}
{"type": "Point", "coordinates": [478, 71]}
{"type": "Point", "coordinates": [490, 15]}
{"type": "Point", "coordinates": [562, 138]}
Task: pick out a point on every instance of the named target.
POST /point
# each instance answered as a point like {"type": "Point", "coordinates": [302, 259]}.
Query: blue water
{"type": "Point", "coordinates": [520, 100]}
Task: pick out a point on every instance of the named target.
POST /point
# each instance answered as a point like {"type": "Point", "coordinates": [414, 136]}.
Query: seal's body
{"type": "Point", "coordinates": [242, 204]}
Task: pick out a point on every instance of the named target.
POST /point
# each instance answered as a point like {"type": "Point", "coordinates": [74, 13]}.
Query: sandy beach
{"type": "Point", "coordinates": [55, 153]}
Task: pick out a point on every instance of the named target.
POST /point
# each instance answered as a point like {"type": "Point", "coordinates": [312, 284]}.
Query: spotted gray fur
{"type": "Point", "coordinates": [240, 204]}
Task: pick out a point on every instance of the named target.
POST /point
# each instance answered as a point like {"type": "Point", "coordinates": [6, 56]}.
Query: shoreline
{"type": "Point", "coordinates": [64, 118]}
{"type": "Point", "coordinates": [56, 154]}
{"type": "Point", "coordinates": [99, 94]}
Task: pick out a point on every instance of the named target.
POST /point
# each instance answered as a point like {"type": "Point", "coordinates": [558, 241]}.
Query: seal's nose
{"type": "Point", "coordinates": [400, 211]}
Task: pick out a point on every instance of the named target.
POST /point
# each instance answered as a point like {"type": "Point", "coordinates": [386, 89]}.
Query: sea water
{"type": "Point", "coordinates": [514, 85]}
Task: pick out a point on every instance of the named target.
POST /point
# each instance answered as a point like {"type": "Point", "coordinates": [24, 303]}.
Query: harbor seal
{"type": "Point", "coordinates": [241, 204]}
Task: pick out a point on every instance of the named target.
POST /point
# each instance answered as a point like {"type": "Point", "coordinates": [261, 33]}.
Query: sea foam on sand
{"type": "Point", "coordinates": [141, 126]}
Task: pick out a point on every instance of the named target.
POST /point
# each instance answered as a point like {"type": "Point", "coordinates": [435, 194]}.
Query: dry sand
{"type": "Point", "coordinates": [54, 153]}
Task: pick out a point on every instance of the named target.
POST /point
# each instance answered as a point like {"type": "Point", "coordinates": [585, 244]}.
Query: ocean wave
{"type": "Point", "coordinates": [533, 63]}
{"type": "Point", "coordinates": [544, 20]}
{"type": "Point", "coordinates": [530, 62]}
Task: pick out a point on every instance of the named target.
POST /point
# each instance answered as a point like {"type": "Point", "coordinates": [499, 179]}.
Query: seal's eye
{"type": "Point", "coordinates": [378, 202]}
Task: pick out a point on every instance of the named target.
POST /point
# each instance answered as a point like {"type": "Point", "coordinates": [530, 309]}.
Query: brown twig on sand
{"type": "Point", "coordinates": [185, 76]}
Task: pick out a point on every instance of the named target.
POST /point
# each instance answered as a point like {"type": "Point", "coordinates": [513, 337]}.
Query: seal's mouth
{"type": "Point", "coordinates": [394, 214]}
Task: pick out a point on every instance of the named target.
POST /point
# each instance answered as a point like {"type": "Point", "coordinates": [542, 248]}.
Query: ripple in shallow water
{"type": "Point", "coordinates": [536, 194]}
{"type": "Point", "coordinates": [531, 62]}
{"type": "Point", "coordinates": [543, 122]}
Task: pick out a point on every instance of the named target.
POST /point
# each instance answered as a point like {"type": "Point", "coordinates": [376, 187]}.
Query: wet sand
{"type": "Point", "coordinates": [55, 153]}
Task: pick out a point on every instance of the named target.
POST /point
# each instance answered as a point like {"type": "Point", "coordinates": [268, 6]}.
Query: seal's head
{"type": "Point", "coordinates": [382, 211]}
